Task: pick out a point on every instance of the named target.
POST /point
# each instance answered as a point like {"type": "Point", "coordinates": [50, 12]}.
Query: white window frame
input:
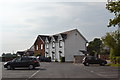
{"type": "Point", "coordinates": [53, 44]}
{"type": "Point", "coordinates": [36, 47]}
{"type": "Point", "coordinates": [60, 43]}
{"type": "Point", "coordinates": [41, 46]}
{"type": "Point", "coordinates": [47, 46]}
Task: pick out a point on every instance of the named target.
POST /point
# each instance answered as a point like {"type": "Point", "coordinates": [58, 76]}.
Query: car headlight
{"type": "Point", "coordinates": [5, 63]}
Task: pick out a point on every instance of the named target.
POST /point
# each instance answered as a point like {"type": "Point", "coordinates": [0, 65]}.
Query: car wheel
{"type": "Point", "coordinates": [87, 64]}
{"type": "Point", "coordinates": [8, 67]}
{"type": "Point", "coordinates": [31, 67]}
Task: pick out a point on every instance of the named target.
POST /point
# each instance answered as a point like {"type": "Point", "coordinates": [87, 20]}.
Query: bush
{"type": "Point", "coordinates": [56, 60]}
{"type": "Point", "coordinates": [118, 59]}
{"type": "Point", "coordinates": [49, 58]}
{"type": "Point", "coordinates": [62, 59]}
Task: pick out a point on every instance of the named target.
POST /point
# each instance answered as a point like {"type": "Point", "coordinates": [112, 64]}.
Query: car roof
{"type": "Point", "coordinates": [89, 56]}
{"type": "Point", "coordinates": [28, 57]}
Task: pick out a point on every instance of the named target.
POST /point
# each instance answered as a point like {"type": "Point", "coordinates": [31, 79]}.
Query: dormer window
{"type": "Point", "coordinates": [60, 43]}
{"type": "Point", "coordinates": [53, 44]}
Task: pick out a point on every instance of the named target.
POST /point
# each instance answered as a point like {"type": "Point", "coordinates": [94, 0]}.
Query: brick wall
{"type": "Point", "coordinates": [39, 51]}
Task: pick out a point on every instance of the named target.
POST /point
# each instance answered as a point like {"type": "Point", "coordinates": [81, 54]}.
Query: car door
{"type": "Point", "coordinates": [16, 62]}
{"type": "Point", "coordinates": [25, 62]}
{"type": "Point", "coordinates": [96, 60]}
{"type": "Point", "coordinates": [93, 60]}
{"type": "Point", "coordinates": [89, 60]}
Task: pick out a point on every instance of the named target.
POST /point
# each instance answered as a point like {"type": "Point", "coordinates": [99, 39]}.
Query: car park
{"type": "Point", "coordinates": [93, 60]}
{"type": "Point", "coordinates": [27, 61]}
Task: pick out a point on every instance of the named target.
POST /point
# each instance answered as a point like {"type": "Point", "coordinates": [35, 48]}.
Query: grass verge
{"type": "Point", "coordinates": [114, 65]}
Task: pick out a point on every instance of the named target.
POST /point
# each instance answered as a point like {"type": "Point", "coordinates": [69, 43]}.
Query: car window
{"type": "Point", "coordinates": [24, 59]}
{"type": "Point", "coordinates": [89, 58]}
{"type": "Point", "coordinates": [94, 58]}
{"type": "Point", "coordinates": [17, 60]}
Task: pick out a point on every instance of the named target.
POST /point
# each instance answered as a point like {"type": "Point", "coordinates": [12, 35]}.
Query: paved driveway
{"type": "Point", "coordinates": [63, 70]}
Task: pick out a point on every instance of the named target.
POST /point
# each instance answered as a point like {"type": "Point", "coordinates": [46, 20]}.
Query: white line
{"type": "Point", "coordinates": [33, 74]}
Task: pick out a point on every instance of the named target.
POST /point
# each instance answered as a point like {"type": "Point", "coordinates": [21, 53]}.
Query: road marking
{"type": "Point", "coordinates": [33, 75]}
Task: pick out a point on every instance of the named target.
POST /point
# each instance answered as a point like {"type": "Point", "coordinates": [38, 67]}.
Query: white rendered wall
{"type": "Point", "coordinates": [73, 44]}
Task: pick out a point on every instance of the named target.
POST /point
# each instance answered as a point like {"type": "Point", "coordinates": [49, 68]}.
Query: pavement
{"type": "Point", "coordinates": [62, 70]}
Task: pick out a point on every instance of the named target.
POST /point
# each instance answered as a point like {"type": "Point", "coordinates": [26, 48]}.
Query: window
{"type": "Point", "coordinates": [17, 60]}
{"type": "Point", "coordinates": [53, 44]}
{"type": "Point", "coordinates": [24, 59]}
{"type": "Point", "coordinates": [41, 46]}
{"type": "Point", "coordinates": [60, 43]}
{"type": "Point", "coordinates": [47, 46]}
{"type": "Point", "coordinates": [36, 47]}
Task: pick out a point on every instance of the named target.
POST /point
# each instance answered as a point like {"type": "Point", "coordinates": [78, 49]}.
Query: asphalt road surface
{"type": "Point", "coordinates": [63, 70]}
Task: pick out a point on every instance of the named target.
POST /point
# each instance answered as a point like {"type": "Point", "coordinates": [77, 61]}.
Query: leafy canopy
{"type": "Point", "coordinates": [114, 7]}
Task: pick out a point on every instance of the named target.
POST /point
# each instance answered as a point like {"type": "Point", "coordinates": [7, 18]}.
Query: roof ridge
{"type": "Point", "coordinates": [65, 31]}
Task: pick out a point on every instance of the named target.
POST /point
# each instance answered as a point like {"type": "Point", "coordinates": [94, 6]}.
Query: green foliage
{"type": "Point", "coordinates": [49, 57]}
{"type": "Point", "coordinates": [9, 55]}
{"type": "Point", "coordinates": [114, 65]}
{"type": "Point", "coordinates": [56, 60]}
{"type": "Point", "coordinates": [62, 59]}
{"type": "Point", "coordinates": [37, 54]}
{"type": "Point", "coordinates": [114, 7]}
{"type": "Point", "coordinates": [113, 41]}
{"type": "Point", "coordinates": [118, 59]}
{"type": "Point", "coordinates": [94, 46]}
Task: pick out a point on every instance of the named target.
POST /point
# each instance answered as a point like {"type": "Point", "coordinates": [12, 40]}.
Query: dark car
{"type": "Point", "coordinates": [44, 59]}
{"type": "Point", "coordinates": [93, 60]}
{"type": "Point", "coordinates": [27, 61]}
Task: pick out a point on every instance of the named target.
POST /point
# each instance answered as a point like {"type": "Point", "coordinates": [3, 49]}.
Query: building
{"type": "Point", "coordinates": [39, 45]}
{"type": "Point", "coordinates": [63, 45]}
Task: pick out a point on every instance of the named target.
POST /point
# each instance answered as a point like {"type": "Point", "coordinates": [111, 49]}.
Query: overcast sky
{"type": "Point", "coordinates": [21, 22]}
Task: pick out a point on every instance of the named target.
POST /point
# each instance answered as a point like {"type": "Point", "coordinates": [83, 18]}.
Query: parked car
{"type": "Point", "coordinates": [44, 59]}
{"type": "Point", "coordinates": [27, 61]}
{"type": "Point", "coordinates": [93, 60]}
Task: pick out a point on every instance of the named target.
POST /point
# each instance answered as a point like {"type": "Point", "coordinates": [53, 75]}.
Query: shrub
{"type": "Point", "coordinates": [56, 60]}
{"type": "Point", "coordinates": [118, 59]}
{"type": "Point", "coordinates": [62, 59]}
{"type": "Point", "coordinates": [113, 60]}
{"type": "Point", "coordinates": [49, 58]}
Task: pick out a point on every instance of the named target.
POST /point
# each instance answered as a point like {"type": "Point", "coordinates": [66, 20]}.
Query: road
{"type": "Point", "coordinates": [62, 70]}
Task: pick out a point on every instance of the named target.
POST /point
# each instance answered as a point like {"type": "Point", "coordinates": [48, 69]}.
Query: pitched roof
{"type": "Point", "coordinates": [55, 37]}
{"type": "Point", "coordinates": [63, 34]}
{"type": "Point", "coordinates": [68, 32]}
{"type": "Point", "coordinates": [43, 37]}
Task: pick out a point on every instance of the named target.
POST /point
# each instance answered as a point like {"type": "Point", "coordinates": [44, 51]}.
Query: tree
{"type": "Point", "coordinates": [114, 7]}
{"type": "Point", "coordinates": [94, 46]}
{"type": "Point", "coordinates": [112, 40]}
{"type": "Point", "coordinates": [3, 54]}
